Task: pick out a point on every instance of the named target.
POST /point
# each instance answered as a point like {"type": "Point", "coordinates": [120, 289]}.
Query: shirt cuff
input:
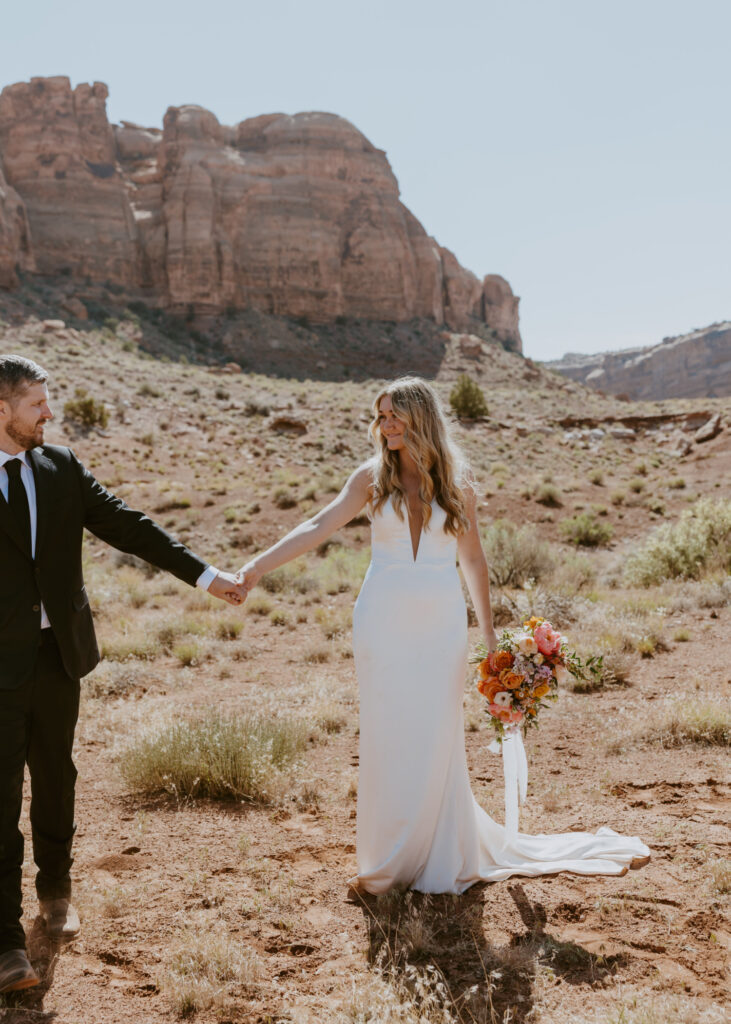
{"type": "Point", "coordinates": [206, 578]}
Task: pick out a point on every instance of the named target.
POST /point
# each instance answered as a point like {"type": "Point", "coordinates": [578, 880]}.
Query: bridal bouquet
{"type": "Point", "coordinates": [523, 674]}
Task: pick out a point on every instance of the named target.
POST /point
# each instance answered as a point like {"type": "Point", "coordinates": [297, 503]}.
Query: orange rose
{"type": "Point", "coordinates": [542, 690]}
{"type": "Point", "coordinates": [489, 687]}
{"type": "Point", "coordinates": [511, 680]}
{"type": "Point", "coordinates": [484, 668]}
{"type": "Point", "coordinates": [501, 660]}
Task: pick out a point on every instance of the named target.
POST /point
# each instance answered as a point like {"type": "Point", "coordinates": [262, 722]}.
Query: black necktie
{"type": "Point", "coordinates": [18, 501]}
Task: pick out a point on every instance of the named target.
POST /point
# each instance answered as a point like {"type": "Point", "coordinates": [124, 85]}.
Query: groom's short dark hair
{"type": "Point", "coordinates": [16, 374]}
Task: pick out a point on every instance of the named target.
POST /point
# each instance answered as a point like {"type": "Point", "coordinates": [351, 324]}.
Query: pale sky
{"type": "Point", "coordinates": [581, 149]}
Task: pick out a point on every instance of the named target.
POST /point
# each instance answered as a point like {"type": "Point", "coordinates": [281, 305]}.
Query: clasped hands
{"type": "Point", "coordinates": [235, 587]}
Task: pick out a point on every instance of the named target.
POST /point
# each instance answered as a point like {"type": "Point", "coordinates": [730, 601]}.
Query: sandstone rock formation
{"type": "Point", "coordinates": [15, 248]}
{"type": "Point", "coordinates": [696, 365]}
{"type": "Point", "coordinates": [292, 215]}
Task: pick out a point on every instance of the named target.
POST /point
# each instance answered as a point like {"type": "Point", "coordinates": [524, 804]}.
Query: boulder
{"type": "Point", "coordinates": [470, 345]}
{"type": "Point", "coordinates": [52, 326]}
{"type": "Point", "coordinates": [75, 308]}
{"type": "Point", "coordinates": [286, 424]}
{"type": "Point", "coordinates": [709, 430]}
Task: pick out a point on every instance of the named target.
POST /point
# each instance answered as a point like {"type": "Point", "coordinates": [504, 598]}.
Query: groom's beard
{"type": "Point", "coordinates": [24, 435]}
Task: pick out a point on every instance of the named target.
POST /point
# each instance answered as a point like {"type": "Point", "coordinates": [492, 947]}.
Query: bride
{"type": "Point", "coordinates": [418, 824]}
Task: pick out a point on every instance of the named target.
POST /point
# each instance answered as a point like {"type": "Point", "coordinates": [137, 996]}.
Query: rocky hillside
{"type": "Point", "coordinates": [695, 365]}
{"type": "Point", "coordinates": [294, 216]}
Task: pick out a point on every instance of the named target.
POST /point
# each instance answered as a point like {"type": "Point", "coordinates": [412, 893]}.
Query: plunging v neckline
{"type": "Point", "coordinates": [414, 553]}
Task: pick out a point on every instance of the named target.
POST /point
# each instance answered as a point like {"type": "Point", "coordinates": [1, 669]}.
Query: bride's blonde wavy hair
{"type": "Point", "coordinates": [441, 466]}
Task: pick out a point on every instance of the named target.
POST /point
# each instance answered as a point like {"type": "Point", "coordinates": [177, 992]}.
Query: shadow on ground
{"type": "Point", "coordinates": [443, 937]}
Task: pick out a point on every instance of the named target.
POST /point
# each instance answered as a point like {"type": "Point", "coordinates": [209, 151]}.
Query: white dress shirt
{"type": "Point", "coordinates": [26, 475]}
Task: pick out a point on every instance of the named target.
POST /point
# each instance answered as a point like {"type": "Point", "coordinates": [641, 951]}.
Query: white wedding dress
{"type": "Point", "coordinates": [418, 823]}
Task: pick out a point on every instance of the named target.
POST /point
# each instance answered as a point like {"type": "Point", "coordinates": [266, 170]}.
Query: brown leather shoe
{"type": "Point", "coordinates": [16, 972]}
{"type": "Point", "coordinates": [61, 918]}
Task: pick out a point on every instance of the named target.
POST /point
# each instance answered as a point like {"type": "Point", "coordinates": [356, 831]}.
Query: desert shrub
{"type": "Point", "coordinates": [559, 609]}
{"type": "Point", "coordinates": [187, 653]}
{"type": "Point", "coordinates": [342, 570]}
{"type": "Point", "coordinates": [130, 644]}
{"type": "Point", "coordinates": [86, 411]}
{"type": "Point", "coordinates": [515, 554]}
{"type": "Point", "coordinates": [228, 628]}
{"type": "Point", "coordinates": [467, 400]}
{"type": "Point", "coordinates": [573, 573]}
{"type": "Point", "coordinates": [597, 477]}
{"type": "Point", "coordinates": [721, 876]}
{"type": "Point", "coordinates": [698, 541]}
{"type": "Point", "coordinates": [256, 408]}
{"type": "Point", "coordinates": [258, 604]}
{"type": "Point", "coordinates": [700, 721]}
{"type": "Point", "coordinates": [549, 495]}
{"type": "Point", "coordinates": [693, 720]}
{"type": "Point", "coordinates": [203, 969]}
{"type": "Point", "coordinates": [283, 498]}
{"type": "Point", "coordinates": [292, 577]}
{"type": "Point", "coordinates": [585, 530]}
{"type": "Point", "coordinates": [221, 757]}
{"type": "Point", "coordinates": [636, 485]}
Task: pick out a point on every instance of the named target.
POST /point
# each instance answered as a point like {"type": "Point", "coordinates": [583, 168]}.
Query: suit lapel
{"type": "Point", "coordinates": [43, 472]}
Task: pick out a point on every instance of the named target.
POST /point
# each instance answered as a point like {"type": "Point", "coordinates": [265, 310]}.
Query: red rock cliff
{"type": "Point", "coordinates": [294, 215]}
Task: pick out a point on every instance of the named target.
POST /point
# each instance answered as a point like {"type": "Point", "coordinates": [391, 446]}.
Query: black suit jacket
{"type": "Point", "coordinates": [68, 500]}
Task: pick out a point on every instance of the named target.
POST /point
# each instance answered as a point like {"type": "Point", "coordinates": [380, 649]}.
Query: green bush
{"type": "Point", "coordinates": [699, 541]}
{"type": "Point", "coordinates": [221, 757]}
{"type": "Point", "coordinates": [586, 531]}
{"type": "Point", "coordinates": [86, 410]}
{"type": "Point", "coordinates": [515, 554]}
{"type": "Point", "coordinates": [467, 400]}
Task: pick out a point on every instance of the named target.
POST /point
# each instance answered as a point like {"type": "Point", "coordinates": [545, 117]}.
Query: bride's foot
{"type": "Point", "coordinates": [355, 893]}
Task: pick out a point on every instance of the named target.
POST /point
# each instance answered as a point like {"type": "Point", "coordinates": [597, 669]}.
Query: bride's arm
{"type": "Point", "coordinates": [474, 566]}
{"type": "Point", "coordinates": [314, 531]}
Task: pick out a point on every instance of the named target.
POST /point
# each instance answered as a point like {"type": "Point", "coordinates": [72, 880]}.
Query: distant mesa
{"type": "Point", "coordinates": [295, 216]}
{"type": "Point", "coordinates": [695, 365]}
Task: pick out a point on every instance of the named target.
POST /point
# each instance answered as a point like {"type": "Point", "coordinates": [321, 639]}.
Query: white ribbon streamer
{"type": "Point", "coordinates": [515, 772]}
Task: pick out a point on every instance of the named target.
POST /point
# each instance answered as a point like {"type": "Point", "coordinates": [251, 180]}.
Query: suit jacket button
{"type": "Point", "coordinates": [36, 607]}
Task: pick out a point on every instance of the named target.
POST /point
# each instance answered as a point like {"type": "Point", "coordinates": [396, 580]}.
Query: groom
{"type": "Point", "coordinates": [47, 642]}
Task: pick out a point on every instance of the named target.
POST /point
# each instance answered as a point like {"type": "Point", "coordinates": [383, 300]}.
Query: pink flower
{"type": "Point", "coordinates": [547, 639]}
{"type": "Point", "coordinates": [506, 716]}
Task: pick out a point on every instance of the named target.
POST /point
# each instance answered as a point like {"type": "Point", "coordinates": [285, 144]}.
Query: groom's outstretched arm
{"type": "Point", "coordinates": [113, 521]}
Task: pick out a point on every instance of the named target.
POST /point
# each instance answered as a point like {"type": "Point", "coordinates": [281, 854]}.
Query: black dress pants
{"type": "Point", "coordinates": [37, 722]}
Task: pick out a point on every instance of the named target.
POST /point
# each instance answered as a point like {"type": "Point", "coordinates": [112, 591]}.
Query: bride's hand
{"type": "Point", "coordinates": [491, 641]}
{"type": "Point", "coordinates": [248, 576]}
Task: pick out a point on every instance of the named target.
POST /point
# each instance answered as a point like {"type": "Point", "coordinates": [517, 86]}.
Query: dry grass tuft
{"type": "Point", "coordinates": [224, 758]}
{"type": "Point", "coordinates": [721, 876]}
{"type": "Point", "coordinates": [205, 971]}
{"type": "Point", "coordinates": [694, 720]}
